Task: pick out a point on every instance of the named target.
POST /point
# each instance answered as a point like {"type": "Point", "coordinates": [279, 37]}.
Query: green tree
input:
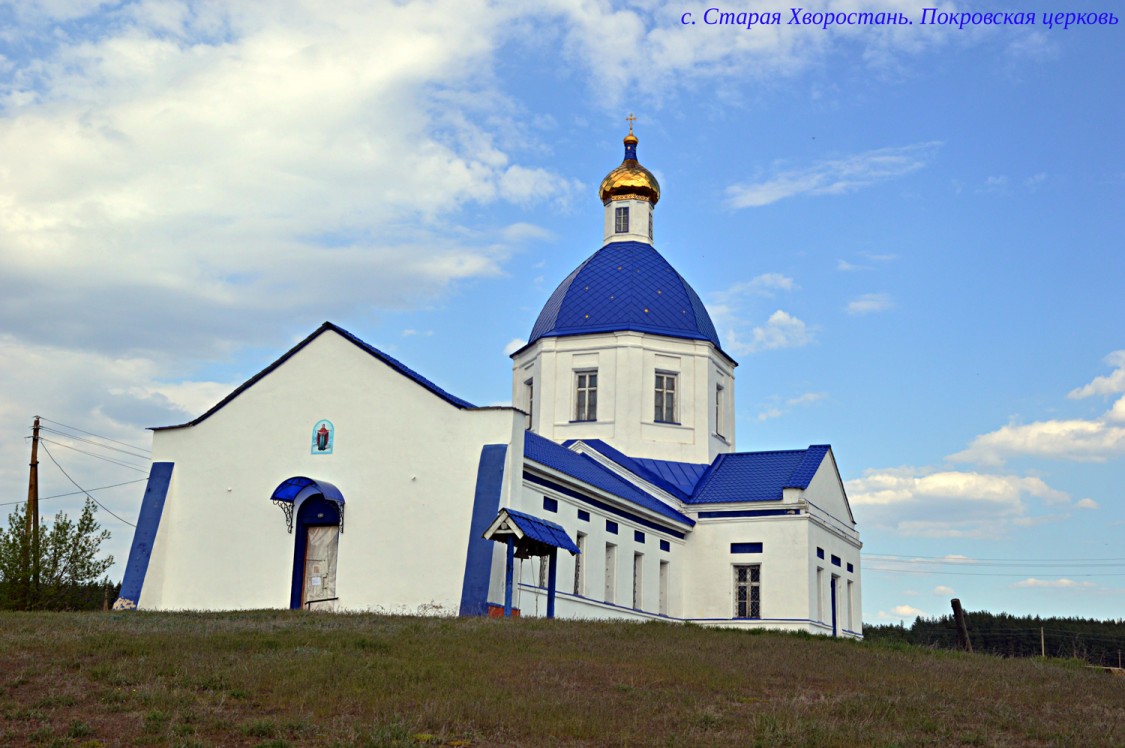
{"type": "Point", "coordinates": [68, 562]}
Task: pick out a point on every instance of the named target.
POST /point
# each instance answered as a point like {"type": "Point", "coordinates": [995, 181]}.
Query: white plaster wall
{"type": "Point", "coordinates": [405, 460]}
{"type": "Point", "coordinates": [627, 363]}
{"type": "Point", "coordinates": [640, 217]}
{"type": "Point", "coordinates": [708, 572]}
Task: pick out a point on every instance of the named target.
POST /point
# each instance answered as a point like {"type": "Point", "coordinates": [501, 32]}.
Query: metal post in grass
{"type": "Point", "coordinates": [962, 629]}
{"type": "Point", "coordinates": [551, 577]}
{"type": "Point", "coordinates": [508, 576]}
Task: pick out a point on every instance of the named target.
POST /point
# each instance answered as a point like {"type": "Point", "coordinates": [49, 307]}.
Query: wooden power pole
{"type": "Point", "coordinates": [962, 629]}
{"type": "Point", "coordinates": [33, 517]}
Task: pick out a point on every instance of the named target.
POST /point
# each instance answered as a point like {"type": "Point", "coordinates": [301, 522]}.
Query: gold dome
{"type": "Point", "coordinates": [630, 181]}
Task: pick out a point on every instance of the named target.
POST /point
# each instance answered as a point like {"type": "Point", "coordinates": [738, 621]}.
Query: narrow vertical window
{"type": "Point", "coordinates": [748, 591]}
{"type": "Point", "coordinates": [720, 427]}
{"type": "Point", "coordinates": [820, 595]}
{"type": "Point", "coordinates": [851, 606]}
{"type": "Point", "coordinates": [543, 568]}
{"type": "Point", "coordinates": [586, 396]}
{"type": "Point", "coordinates": [529, 390]}
{"type": "Point", "coordinates": [621, 216]}
{"type": "Point", "coordinates": [610, 571]}
{"type": "Point", "coordinates": [663, 588]}
{"type": "Point", "coordinates": [665, 398]}
{"type": "Point", "coordinates": [638, 578]}
{"type": "Point", "coordinates": [579, 567]}
{"type": "Point", "coordinates": [650, 224]}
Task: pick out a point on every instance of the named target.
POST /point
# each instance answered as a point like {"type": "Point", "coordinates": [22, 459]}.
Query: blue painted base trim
{"type": "Point", "coordinates": [478, 555]}
{"type": "Point", "coordinates": [749, 513]}
{"type": "Point", "coordinates": [144, 537]}
{"type": "Point", "coordinates": [602, 505]}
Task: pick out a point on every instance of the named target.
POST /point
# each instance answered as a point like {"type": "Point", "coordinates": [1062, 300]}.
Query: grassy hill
{"type": "Point", "coordinates": [291, 678]}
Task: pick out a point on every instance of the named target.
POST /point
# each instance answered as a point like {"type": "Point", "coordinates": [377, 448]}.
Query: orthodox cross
{"type": "Point", "coordinates": [630, 119]}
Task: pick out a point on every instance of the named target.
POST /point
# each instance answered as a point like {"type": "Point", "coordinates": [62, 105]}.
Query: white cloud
{"type": "Point", "coordinates": [1056, 583]}
{"type": "Point", "coordinates": [1086, 504]}
{"type": "Point", "coordinates": [514, 345]}
{"type": "Point", "coordinates": [948, 503]}
{"type": "Point", "coordinates": [1109, 384]}
{"type": "Point", "coordinates": [869, 303]}
{"type": "Point", "coordinates": [834, 177]}
{"type": "Point", "coordinates": [769, 413]}
{"type": "Point", "coordinates": [807, 398]}
{"type": "Point", "coordinates": [781, 330]}
{"type": "Point", "coordinates": [941, 589]}
{"type": "Point", "coordinates": [908, 611]}
{"type": "Point", "coordinates": [846, 267]}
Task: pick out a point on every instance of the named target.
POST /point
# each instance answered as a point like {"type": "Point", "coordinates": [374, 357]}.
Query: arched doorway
{"type": "Point", "coordinates": [316, 527]}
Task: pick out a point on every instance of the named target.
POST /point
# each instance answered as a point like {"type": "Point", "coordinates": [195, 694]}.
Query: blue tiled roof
{"type": "Point", "coordinates": [677, 478]}
{"type": "Point", "coordinates": [542, 530]}
{"type": "Point", "coordinates": [580, 467]}
{"type": "Point", "coordinates": [625, 286]}
{"type": "Point", "coordinates": [395, 364]}
{"type": "Point", "coordinates": [758, 476]}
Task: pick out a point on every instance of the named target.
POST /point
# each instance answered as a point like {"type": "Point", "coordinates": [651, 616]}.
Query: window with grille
{"type": "Point", "coordinates": [586, 396]}
{"type": "Point", "coordinates": [719, 425]}
{"type": "Point", "coordinates": [665, 397]}
{"type": "Point", "coordinates": [529, 386]}
{"type": "Point", "coordinates": [621, 216]}
{"type": "Point", "coordinates": [748, 591]}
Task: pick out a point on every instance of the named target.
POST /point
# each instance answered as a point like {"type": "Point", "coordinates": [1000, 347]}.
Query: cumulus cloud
{"type": "Point", "coordinates": [1086, 504]}
{"type": "Point", "coordinates": [941, 589]}
{"type": "Point", "coordinates": [1056, 583]}
{"type": "Point", "coordinates": [1078, 439]}
{"type": "Point", "coordinates": [902, 611]}
{"type": "Point", "coordinates": [781, 330]}
{"type": "Point", "coordinates": [834, 176]}
{"type": "Point", "coordinates": [869, 303]}
{"type": "Point", "coordinates": [948, 503]}
{"type": "Point", "coordinates": [514, 345]}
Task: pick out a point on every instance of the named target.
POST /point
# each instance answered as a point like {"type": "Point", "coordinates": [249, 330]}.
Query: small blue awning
{"type": "Point", "coordinates": [290, 489]}
{"type": "Point", "coordinates": [536, 536]}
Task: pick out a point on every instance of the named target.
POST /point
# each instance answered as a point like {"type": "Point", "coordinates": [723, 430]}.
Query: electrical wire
{"type": "Point", "coordinates": [972, 561]}
{"type": "Point", "coordinates": [80, 488]}
{"type": "Point", "coordinates": [91, 441]}
{"type": "Point", "coordinates": [75, 493]}
{"type": "Point", "coordinates": [90, 433]}
{"type": "Point", "coordinates": [978, 573]}
{"type": "Point", "coordinates": [92, 454]}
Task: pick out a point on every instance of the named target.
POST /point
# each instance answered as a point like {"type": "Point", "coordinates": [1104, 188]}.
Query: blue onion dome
{"type": "Point", "coordinates": [625, 286]}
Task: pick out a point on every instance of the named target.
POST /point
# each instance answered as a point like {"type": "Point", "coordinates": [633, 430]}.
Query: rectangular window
{"type": "Point", "coordinates": [586, 396]}
{"type": "Point", "coordinates": [650, 224]}
{"type": "Point", "coordinates": [720, 427]}
{"type": "Point", "coordinates": [745, 547]}
{"type": "Point", "coordinates": [638, 570]}
{"type": "Point", "coordinates": [638, 536]}
{"type": "Point", "coordinates": [748, 591]}
{"type": "Point", "coordinates": [850, 568]}
{"type": "Point", "coordinates": [820, 553]}
{"type": "Point", "coordinates": [583, 515]}
{"type": "Point", "coordinates": [663, 588]}
{"type": "Point", "coordinates": [543, 567]}
{"type": "Point", "coordinates": [529, 390]}
{"type": "Point", "coordinates": [665, 398]}
{"type": "Point", "coordinates": [551, 505]}
{"type": "Point", "coordinates": [621, 216]}
{"type": "Point", "coordinates": [611, 526]}
{"type": "Point", "coordinates": [579, 567]}
{"type": "Point", "coordinates": [610, 571]}
{"type": "Point", "coordinates": [851, 607]}
{"type": "Point", "coordinates": [835, 560]}
{"type": "Point", "coordinates": [665, 545]}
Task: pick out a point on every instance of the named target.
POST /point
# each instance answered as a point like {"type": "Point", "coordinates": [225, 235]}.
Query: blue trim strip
{"type": "Point", "coordinates": [749, 513]}
{"type": "Point", "coordinates": [144, 537]}
{"type": "Point", "coordinates": [602, 505]}
{"type": "Point", "coordinates": [745, 547]}
{"type": "Point", "coordinates": [478, 555]}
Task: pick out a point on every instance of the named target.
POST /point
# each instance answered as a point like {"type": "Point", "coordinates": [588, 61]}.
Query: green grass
{"type": "Point", "coordinates": [293, 679]}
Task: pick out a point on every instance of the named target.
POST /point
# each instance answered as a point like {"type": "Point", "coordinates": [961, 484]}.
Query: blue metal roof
{"type": "Point", "coordinates": [758, 476]}
{"type": "Point", "coordinates": [625, 286]}
{"type": "Point", "coordinates": [395, 364]}
{"type": "Point", "coordinates": [677, 478]}
{"type": "Point", "coordinates": [543, 530]}
{"type": "Point", "coordinates": [580, 467]}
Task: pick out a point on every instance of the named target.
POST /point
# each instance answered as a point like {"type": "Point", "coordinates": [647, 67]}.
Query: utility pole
{"type": "Point", "coordinates": [962, 629]}
{"type": "Point", "coordinates": [1042, 643]}
{"type": "Point", "coordinates": [33, 517]}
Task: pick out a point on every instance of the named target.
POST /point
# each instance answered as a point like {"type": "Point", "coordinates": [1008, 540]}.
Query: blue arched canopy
{"type": "Point", "coordinates": [300, 487]}
{"type": "Point", "coordinates": [290, 489]}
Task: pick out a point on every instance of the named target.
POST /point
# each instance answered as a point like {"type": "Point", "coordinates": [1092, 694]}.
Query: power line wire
{"type": "Point", "coordinates": [978, 573]}
{"type": "Point", "coordinates": [970, 561]}
{"type": "Point", "coordinates": [76, 493]}
{"type": "Point", "coordinates": [91, 441]}
{"type": "Point", "coordinates": [80, 488]}
{"type": "Point", "coordinates": [94, 455]}
{"type": "Point", "coordinates": [90, 433]}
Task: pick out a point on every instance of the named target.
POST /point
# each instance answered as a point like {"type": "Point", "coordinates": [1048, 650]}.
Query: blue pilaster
{"type": "Point", "coordinates": [551, 578]}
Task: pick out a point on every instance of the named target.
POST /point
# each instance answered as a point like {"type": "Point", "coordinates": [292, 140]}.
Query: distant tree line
{"type": "Point", "coordinates": [1097, 642]}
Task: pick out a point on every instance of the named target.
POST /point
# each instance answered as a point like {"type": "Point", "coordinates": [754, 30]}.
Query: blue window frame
{"type": "Point", "coordinates": [583, 515]}
{"type": "Point", "coordinates": [611, 526]}
{"type": "Point", "coordinates": [551, 505]}
{"type": "Point", "coordinates": [638, 536]}
{"type": "Point", "coordinates": [745, 547]}
{"type": "Point", "coordinates": [820, 553]}
{"type": "Point", "coordinates": [835, 560]}
{"type": "Point", "coordinates": [665, 545]}
{"type": "Point", "coordinates": [850, 568]}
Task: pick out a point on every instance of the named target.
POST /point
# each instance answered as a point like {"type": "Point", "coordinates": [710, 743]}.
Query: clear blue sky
{"type": "Point", "coordinates": [909, 237]}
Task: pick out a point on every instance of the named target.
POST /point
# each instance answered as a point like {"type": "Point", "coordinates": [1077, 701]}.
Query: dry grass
{"type": "Point", "coordinates": [287, 678]}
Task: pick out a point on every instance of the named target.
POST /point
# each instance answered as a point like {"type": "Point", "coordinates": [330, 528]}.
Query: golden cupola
{"type": "Point", "coordinates": [630, 181]}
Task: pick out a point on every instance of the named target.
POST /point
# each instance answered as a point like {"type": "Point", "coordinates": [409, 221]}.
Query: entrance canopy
{"type": "Point", "coordinates": [294, 489]}
{"type": "Point", "coordinates": [533, 536]}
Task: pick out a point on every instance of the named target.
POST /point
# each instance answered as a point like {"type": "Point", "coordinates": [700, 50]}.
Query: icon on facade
{"type": "Point", "coordinates": [323, 436]}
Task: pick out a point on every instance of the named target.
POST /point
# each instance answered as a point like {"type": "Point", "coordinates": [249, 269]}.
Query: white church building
{"type": "Point", "coordinates": [612, 488]}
